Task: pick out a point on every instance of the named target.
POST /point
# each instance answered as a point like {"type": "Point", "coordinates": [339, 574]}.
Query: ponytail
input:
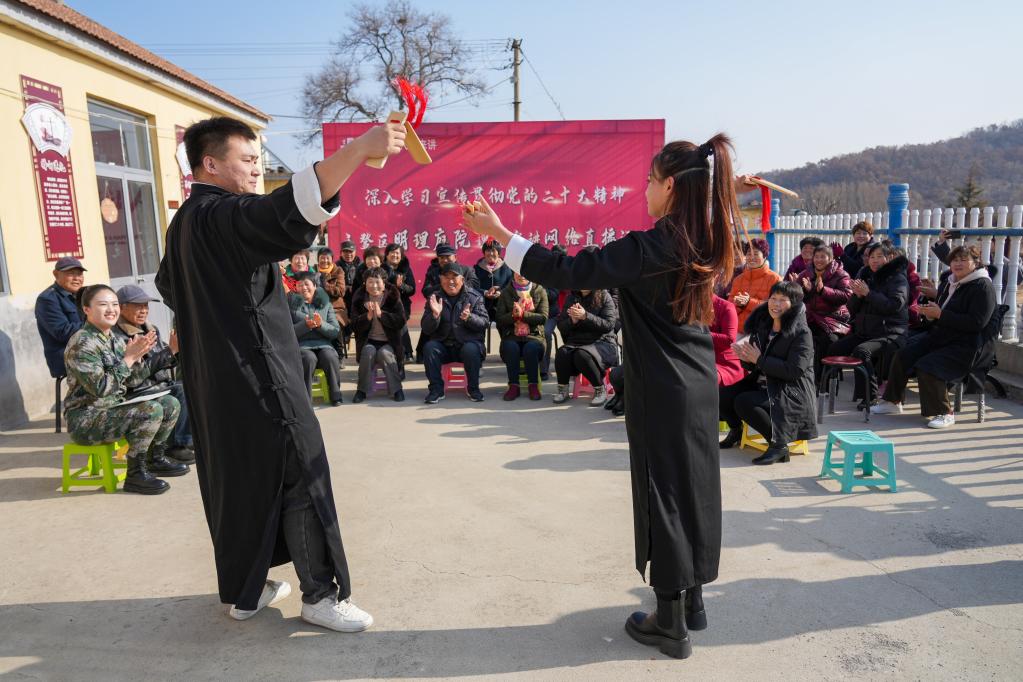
{"type": "Point", "coordinates": [702, 214]}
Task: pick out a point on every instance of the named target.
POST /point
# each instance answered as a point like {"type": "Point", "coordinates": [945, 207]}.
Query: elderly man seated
{"type": "Point", "coordinates": [316, 327]}
{"type": "Point", "coordinates": [57, 315]}
{"type": "Point", "coordinates": [454, 324]}
{"type": "Point", "coordinates": [160, 361]}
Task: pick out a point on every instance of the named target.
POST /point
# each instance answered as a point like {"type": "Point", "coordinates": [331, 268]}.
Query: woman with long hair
{"type": "Point", "coordinates": [665, 277]}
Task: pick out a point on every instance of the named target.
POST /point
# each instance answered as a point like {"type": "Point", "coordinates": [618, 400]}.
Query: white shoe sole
{"type": "Point", "coordinates": [283, 590]}
{"type": "Point", "coordinates": [359, 627]}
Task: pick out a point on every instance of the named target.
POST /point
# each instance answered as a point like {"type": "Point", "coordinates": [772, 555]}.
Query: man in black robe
{"type": "Point", "coordinates": [260, 457]}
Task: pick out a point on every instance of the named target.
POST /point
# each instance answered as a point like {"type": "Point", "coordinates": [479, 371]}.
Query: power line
{"type": "Point", "coordinates": [542, 84]}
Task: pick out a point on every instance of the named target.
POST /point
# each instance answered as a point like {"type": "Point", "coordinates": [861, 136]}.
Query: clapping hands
{"type": "Point", "coordinates": [137, 347]}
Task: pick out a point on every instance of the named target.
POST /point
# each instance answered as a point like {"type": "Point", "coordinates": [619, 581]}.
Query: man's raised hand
{"type": "Point", "coordinates": [436, 306]}
{"type": "Point", "coordinates": [465, 313]}
{"type": "Point", "coordinates": [383, 140]}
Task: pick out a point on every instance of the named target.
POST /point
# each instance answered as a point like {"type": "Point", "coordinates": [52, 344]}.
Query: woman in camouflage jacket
{"type": "Point", "coordinates": [100, 367]}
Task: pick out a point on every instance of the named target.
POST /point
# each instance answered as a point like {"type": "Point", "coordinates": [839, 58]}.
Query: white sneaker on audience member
{"type": "Point", "coordinates": [598, 396]}
{"type": "Point", "coordinates": [342, 616]}
{"type": "Point", "coordinates": [273, 592]}
{"type": "Point", "coordinates": [562, 394]}
{"type": "Point", "coordinates": [885, 407]}
{"type": "Point", "coordinates": [942, 421]}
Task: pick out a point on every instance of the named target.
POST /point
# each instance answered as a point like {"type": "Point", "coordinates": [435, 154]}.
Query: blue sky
{"type": "Point", "coordinates": [792, 82]}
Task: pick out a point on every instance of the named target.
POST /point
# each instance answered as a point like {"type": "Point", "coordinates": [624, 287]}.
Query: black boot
{"type": "Point", "coordinates": [775, 453]}
{"type": "Point", "coordinates": [665, 629]}
{"type": "Point", "coordinates": [732, 439]}
{"type": "Point", "coordinates": [696, 612]}
{"type": "Point", "coordinates": [181, 453]}
{"type": "Point", "coordinates": [141, 481]}
{"type": "Point", "coordinates": [158, 464]}
{"type": "Point", "coordinates": [611, 402]}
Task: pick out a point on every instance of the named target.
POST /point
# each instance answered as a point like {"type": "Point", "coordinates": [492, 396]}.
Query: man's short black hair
{"type": "Point", "coordinates": [209, 138]}
{"type": "Point", "coordinates": [302, 276]}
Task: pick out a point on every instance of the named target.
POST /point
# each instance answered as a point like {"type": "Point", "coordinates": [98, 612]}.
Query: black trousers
{"type": "Point", "coordinates": [822, 341]}
{"type": "Point", "coordinates": [324, 358]}
{"type": "Point", "coordinates": [746, 401]}
{"type": "Point", "coordinates": [569, 362]}
{"type": "Point", "coordinates": [303, 533]}
{"type": "Point", "coordinates": [934, 399]}
{"type": "Point", "coordinates": [873, 352]}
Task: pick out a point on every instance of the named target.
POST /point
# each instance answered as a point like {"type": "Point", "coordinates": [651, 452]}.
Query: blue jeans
{"type": "Point", "coordinates": [514, 350]}
{"type": "Point", "coordinates": [436, 354]}
{"type": "Point", "coordinates": [181, 436]}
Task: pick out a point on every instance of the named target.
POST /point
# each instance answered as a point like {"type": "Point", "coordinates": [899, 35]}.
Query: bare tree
{"type": "Point", "coordinates": [383, 43]}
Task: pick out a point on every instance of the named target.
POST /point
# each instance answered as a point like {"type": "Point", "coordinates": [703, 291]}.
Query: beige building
{"type": "Point", "coordinates": [90, 125]}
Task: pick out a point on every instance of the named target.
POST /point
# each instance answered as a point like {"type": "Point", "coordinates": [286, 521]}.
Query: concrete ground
{"type": "Point", "coordinates": [495, 539]}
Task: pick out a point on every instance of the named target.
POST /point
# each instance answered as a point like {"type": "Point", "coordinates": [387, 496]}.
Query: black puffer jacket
{"type": "Point", "coordinates": [598, 327]}
{"type": "Point", "coordinates": [787, 363]}
{"type": "Point", "coordinates": [408, 285]}
{"type": "Point", "coordinates": [951, 344]}
{"type": "Point", "coordinates": [885, 310]}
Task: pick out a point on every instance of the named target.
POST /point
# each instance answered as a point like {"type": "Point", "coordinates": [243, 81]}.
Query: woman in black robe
{"type": "Point", "coordinates": [665, 277]}
{"type": "Point", "coordinates": [260, 457]}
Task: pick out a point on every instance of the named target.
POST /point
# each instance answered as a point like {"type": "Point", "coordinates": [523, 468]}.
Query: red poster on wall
{"type": "Point", "coordinates": [50, 136]}
{"type": "Point", "coordinates": [566, 182]}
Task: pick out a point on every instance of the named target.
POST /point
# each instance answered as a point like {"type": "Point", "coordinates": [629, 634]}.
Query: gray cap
{"type": "Point", "coordinates": [130, 293]}
{"type": "Point", "coordinates": [68, 263]}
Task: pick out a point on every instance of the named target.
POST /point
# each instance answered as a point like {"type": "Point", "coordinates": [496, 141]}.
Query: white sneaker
{"type": "Point", "coordinates": [562, 394]}
{"type": "Point", "coordinates": [598, 397]}
{"type": "Point", "coordinates": [885, 407]}
{"type": "Point", "coordinates": [273, 592]}
{"type": "Point", "coordinates": [342, 616]}
{"type": "Point", "coordinates": [942, 421]}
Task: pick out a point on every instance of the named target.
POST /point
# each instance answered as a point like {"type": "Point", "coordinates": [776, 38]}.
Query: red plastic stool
{"type": "Point", "coordinates": [580, 383]}
{"type": "Point", "coordinates": [453, 379]}
{"type": "Point", "coordinates": [831, 368]}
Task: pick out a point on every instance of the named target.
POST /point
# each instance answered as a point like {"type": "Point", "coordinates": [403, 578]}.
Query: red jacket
{"type": "Point", "coordinates": [826, 309]}
{"type": "Point", "coordinates": [722, 333]}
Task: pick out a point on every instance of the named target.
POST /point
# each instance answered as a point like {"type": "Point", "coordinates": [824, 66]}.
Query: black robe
{"type": "Point", "coordinates": [242, 373]}
{"type": "Point", "coordinates": [671, 415]}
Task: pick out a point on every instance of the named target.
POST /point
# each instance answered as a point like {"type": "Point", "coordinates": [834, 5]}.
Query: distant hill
{"type": "Point", "coordinates": [859, 182]}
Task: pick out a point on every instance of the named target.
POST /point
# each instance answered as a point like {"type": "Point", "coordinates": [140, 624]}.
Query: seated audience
{"type": "Point", "coordinates": [446, 253]}
{"type": "Point", "coordinates": [946, 352]}
{"type": "Point", "coordinates": [333, 281]}
{"type": "Point", "coordinates": [100, 367]}
{"type": "Point", "coordinates": [826, 291]}
{"type": "Point", "coordinates": [57, 315]}
{"type": "Point", "coordinates": [521, 313]}
{"type": "Point", "coordinates": [160, 362]}
{"type": "Point", "coordinates": [854, 255]}
{"type": "Point", "coordinates": [299, 264]}
{"type": "Point", "coordinates": [783, 409]}
{"type": "Point", "coordinates": [722, 333]}
{"type": "Point", "coordinates": [751, 286]}
{"type": "Point", "coordinates": [492, 275]}
{"type": "Point", "coordinates": [378, 318]}
{"type": "Point", "coordinates": [316, 327]}
{"type": "Point", "coordinates": [880, 314]}
{"type": "Point", "coordinates": [371, 259]}
{"type": "Point", "coordinates": [403, 278]}
{"type": "Point", "coordinates": [453, 325]}
{"type": "Point", "coordinates": [588, 342]}
{"type": "Point", "coordinates": [553, 310]}
{"type": "Point", "coordinates": [804, 259]}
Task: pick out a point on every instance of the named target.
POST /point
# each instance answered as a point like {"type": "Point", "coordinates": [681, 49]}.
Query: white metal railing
{"type": "Point", "coordinates": [998, 231]}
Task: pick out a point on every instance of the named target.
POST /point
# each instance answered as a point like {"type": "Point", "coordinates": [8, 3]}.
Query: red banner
{"type": "Point", "coordinates": [50, 136]}
{"type": "Point", "coordinates": [567, 182]}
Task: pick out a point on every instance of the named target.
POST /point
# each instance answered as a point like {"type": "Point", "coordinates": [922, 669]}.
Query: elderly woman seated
{"type": "Point", "coordinates": [521, 314]}
{"type": "Point", "coordinates": [589, 345]}
{"type": "Point", "coordinates": [101, 367]}
{"type": "Point", "coordinates": [826, 290]}
{"type": "Point", "coordinates": [378, 317]}
{"type": "Point", "coordinates": [945, 353]}
{"type": "Point", "coordinates": [880, 314]}
{"type": "Point", "coordinates": [778, 354]}
{"type": "Point", "coordinates": [316, 327]}
{"type": "Point", "coordinates": [298, 264]}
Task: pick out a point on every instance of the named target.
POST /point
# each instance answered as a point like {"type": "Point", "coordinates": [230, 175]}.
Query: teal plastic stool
{"type": "Point", "coordinates": [867, 444]}
{"type": "Point", "coordinates": [99, 470]}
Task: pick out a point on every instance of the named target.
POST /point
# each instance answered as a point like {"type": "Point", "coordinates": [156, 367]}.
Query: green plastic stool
{"type": "Point", "coordinates": [524, 379]}
{"type": "Point", "coordinates": [320, 389]}
{"type": "Point", "coordinates": [867, 444]}
{"type": "Point", "coordinates": [722, 427]}
{"type": "Point", "coordinates": [99, 470]}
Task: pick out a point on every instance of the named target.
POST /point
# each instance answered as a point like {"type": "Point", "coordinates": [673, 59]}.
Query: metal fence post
{"type": "Point", "coordinates": [898, 201]}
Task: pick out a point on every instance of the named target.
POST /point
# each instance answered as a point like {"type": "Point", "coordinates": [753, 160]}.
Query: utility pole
{"type": "Point", "coordinates": [516, 60]}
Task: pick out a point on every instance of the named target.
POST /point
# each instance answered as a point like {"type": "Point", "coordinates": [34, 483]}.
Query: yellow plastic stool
{"type": "Point", "coordinates": [758, 442]}
{"type": "Point", "coordinates": [320, 389]}
{"type": "Point", "coordinates": [98, 470]}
